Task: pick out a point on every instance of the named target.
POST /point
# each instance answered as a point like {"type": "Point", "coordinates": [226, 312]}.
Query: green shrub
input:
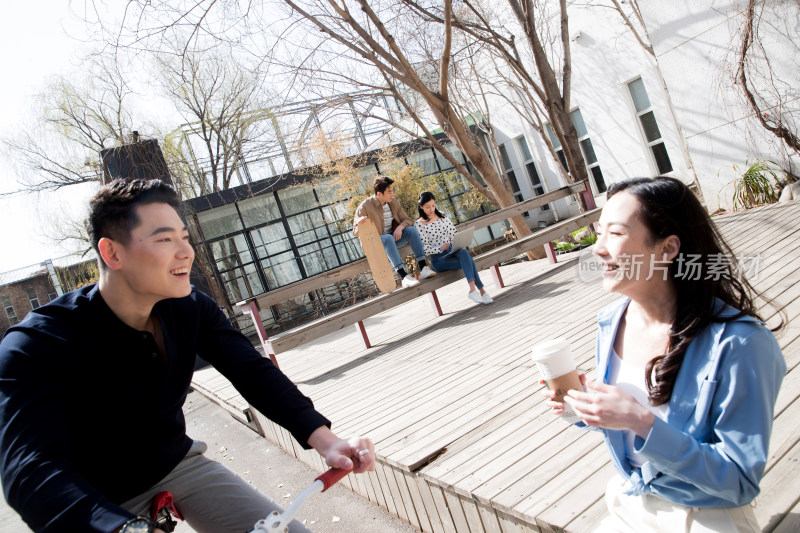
{"type": "Point", "coordinates": [755, 186]}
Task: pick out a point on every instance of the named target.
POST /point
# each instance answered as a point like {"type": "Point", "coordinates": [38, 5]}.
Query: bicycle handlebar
{"type": "Point", "coordinates": [280, 521]}
{"type": "Point", "coordinates": [331, 477]}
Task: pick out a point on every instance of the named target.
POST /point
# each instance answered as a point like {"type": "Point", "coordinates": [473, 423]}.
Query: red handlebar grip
{"type": "Point", "coordinates": [330, 477]}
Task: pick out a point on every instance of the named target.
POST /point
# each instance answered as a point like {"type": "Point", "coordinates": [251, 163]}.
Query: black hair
{"type": "Point", "coordinates": [112, 209]}
{"type": "Point", "coordinates": [424, 198]}
{"type": "Point", "coordinates": [668, 207]}
{"type": "Point", "coordinates": [381, 183]}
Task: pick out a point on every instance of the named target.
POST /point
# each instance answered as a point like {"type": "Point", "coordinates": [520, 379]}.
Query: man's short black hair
{"type": "Point", "coordinates": [112, 210]}
{"type": "Point", "coordinates": [381, 183]}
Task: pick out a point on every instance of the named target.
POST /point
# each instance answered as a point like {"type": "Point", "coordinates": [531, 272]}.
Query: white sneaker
{"type": "Point", "coordinates": [485, 298]}
{"type": "Point", "coordinates": [426, 272]}
{"type": "Point", "coordinates": [475, 296]}
{"type": "Point", "coordinates": [409, 281]}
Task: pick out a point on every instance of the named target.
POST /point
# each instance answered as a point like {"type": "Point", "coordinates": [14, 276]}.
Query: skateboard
{"type": "Point", "coordinates": [382, 271]}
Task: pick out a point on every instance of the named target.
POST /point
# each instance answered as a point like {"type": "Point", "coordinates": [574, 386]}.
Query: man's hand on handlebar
{"type": "Point", "coordinates": [356, 453]}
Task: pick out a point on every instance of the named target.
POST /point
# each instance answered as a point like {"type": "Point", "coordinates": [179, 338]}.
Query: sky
{"type": "Point", "coordinates": [35, 44]}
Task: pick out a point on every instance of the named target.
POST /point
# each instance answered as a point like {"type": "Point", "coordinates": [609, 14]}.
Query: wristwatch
{"type": "Point", "coordinates": [140, 524]}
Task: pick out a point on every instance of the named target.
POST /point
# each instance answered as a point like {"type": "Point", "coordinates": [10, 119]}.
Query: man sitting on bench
{"type": "Point", "coordinates": [395, 228]}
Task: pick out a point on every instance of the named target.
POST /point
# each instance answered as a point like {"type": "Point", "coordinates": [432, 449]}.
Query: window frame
{"type": "Point", "coordinates": [12, 316]}
{"type": "Point", "coordinates": [536, 189]}
{"type": "Point", "coordinates": [649, 145]}
{"type": "Point", "coordinates": [32, 299]}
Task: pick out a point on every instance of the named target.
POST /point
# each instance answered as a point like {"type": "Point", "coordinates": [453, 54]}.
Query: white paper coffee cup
{"type": "Point", "coordinates": [557, 367]}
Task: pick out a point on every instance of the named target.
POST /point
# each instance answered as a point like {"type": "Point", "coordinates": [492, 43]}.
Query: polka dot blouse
{"type": "Point", "coordinates": [435, 234]}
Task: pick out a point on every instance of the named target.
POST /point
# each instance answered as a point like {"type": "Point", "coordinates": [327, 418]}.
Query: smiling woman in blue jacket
{"type": "Point", "coordinates": [687, 372]}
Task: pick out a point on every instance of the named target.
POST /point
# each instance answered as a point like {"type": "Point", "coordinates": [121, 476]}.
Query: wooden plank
{"type": "Point", "coordinates": [405, 495]}
{"type": "Point", "coordinates": [489, 519]}
{"type": "Point", "coordinates": [589, 519]}
{"type": "Point", "coordinates": [431, 510]}
{"type": "Point", "coordinates": [391, 496]}
{"type": "Point", "coordinates": [573, 504]}
{"type": "Point", "coordinates": [412, 485]}
{"type": "Point", "coordinates": [790, 522]}
{"type": "Point", "coordinates": [363, 310]}
{"type": "Point", "coordinates": [457, 512]}
{"type": "Point", "coordinates": [780, 490]}
{"type": "Point", "coordinates": [443, 510]}
{"type": "Point", "coordinates": [473, 515]}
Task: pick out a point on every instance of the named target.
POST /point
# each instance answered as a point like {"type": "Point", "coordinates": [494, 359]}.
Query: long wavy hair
{"type": "Point", "coordinates": [667, 207]}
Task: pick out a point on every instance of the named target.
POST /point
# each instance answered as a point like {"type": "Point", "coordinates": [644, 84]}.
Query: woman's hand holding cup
{"type": "Point", "coordinates": [549, 394]}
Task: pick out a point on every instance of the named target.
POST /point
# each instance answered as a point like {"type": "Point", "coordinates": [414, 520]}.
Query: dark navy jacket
{"type": "Point", "coordinates": [90, 413]}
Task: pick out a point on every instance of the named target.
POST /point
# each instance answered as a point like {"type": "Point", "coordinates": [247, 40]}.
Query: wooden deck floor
{"type": "Point", "coordinates": [463, 438]}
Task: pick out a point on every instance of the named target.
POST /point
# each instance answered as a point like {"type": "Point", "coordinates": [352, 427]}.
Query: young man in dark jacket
{"type": "Point", "coordinates": [92, 386]}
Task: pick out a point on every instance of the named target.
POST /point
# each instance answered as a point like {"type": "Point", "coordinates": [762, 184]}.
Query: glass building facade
{"type": "Point", "coordinates": [301, 227]}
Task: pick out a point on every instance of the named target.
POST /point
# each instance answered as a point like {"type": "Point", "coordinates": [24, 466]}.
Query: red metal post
{"type": "Point", "coordinates": [434, 301]}
{"type": "Point", "coordinates": [361, 329]}
{"type": "Point", "coordinates": [251, 309]}
{"type": "Point", "coordinates": [588, 197]}
{"type": "Point", "coordinates": [498, 279]}
{"type": "Point", "coordinates": [550, 250]}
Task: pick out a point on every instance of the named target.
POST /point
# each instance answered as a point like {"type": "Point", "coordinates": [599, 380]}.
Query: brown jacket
{"type": "Point", "coordinates": [372, 209]}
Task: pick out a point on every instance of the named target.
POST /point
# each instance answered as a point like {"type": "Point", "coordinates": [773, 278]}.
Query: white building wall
{"type": "Point", "coordinates": [699, 112]}
{"type": "Point", "coordinates": [605, 58]}
{"type": "Point", "coordinates": [696, 42]}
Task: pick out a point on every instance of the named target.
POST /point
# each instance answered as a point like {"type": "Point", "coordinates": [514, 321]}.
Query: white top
{"type": "Point", "coordinates": [630, 379]}
{"type": "Point", "coordinates": [387, 218]}
{"type": "Point", "coordinates": [435, 234]}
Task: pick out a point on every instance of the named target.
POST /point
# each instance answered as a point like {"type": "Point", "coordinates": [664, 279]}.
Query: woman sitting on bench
{"type": "Point", "coordinates": [436, 232]}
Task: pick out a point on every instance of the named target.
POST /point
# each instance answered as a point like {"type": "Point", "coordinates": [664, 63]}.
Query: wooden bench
{"type": "Point", "coordinates": [355, 314]}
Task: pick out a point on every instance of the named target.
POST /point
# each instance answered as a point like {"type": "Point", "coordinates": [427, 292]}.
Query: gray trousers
{"type": "Point", "coordinates": [211, 498]}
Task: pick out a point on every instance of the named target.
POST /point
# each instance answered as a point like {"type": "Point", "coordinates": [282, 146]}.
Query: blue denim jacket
{"type": "Point", "coordinates": [712, 449]}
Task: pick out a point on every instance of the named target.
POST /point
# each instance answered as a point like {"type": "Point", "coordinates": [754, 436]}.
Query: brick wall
{"type": "Point", "coordinates": [17, 293]}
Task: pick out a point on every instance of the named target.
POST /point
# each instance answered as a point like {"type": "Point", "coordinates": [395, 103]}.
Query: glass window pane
{"type": "Point", "coordinates": [231, 252]}
{"type": "Point", "coordinates": [258, 210]}
{"type": "Point", "coordinates": [242, 283]}
{"type": "Point", "coordinates": [337, 219]}
{"type": "Point", "coordinates": [482, 236]}
{"type": "Point", "coordinates": [639, 95]}
{"type": "Point", "coordinates": [453, 149]}
{"type": "Point", "coordinates": [562, 158]}
{"type": "Point", "coordinates": [464, 209]}
{"type": "Point", "coordinates": [553, 138]}
{"type": "Point", "coordinates": [307, 227]}
{"type": "Point", "coordinates": [523, 147]}
{"type": "Point", "coordinates": [425, 160]}
{"type": "Point", "coordinates": [297, 198]}
{"type": "Point", "coordinates": [499, 229]}
{"type": "Point", "coordinates": [328, 190]}
{"type": "Point", "coordinates": [533, 175]}
{"type": "Point", "coordinates": [475, 173]}
{"type": "Point", "coordinates": [588, 152]}
{"type": "Point", "coordinates": [348, 248]}
{"type": "Point", "coordinates": [662, 159]}
{"type": "Point", "coordinates": [368, 175]}
{"type": "Point", "coordinates": [577, 121]}
{"type": "Point", "coordinates": [281, 269]}
{"type": "Point", "coordinates": [599, 182]}
{"type": "Point", "coordinates": [650, 127]}
{"type": "Point", "coordinates": [317, 259]}
{"type": "Point", "coordinates": [219, 221]}
{"type": "Point", "coordinates": [513, 180]}
{"type": "Point", "coordinates": [270, 240]}
{"type": "Point", "coordinates": [504, 155]}
{"type": "Point", "coordinates": [444, 164]}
